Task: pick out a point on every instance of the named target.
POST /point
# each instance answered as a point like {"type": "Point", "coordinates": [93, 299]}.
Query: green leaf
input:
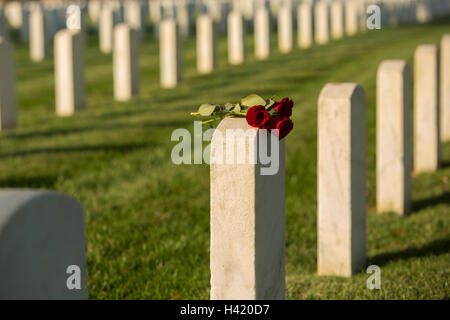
{"type": "Point", "coordinates": [253, 100]}
{"type": "Point", "coordinates": [207, 110]}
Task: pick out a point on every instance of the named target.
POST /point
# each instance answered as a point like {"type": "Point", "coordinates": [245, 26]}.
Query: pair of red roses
{"type": "Point", "coordinates": [260, 117]}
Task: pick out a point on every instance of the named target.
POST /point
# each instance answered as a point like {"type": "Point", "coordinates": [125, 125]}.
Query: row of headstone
{"type": "Point", "coordinates": [43, 28]}
{"type": "Point", "coordinates": [140, 13]}
{"type": "Point", "coordinates": [394, 122]}
{"type": "Point", "coordinates": [236, 33]}
{"type": "Point", "coordinates": [170, 50]}
{"type": "Point", "coordinates": [342, 142]}
{"type": "Point", "coordinates": [319, 21]}
{"type": "Point", "coordinates": [19, 17]}
{"type": "Point", "coordinates": [247, 247]}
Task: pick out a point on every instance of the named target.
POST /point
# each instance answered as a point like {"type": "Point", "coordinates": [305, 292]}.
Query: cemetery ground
{"type": "Point", "coordinates": [147, 220]}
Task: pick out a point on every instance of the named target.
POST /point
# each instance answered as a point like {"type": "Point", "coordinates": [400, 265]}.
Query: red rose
{"type": "Point", "coordinates": [257, 116]}
{"type": "Point", "coordinates": [284, 125]}
{"type": "Point", "coordinates": [284, 107]}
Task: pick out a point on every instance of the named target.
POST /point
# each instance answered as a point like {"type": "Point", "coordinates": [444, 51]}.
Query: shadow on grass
{"type": "Point", "coordinates": [93, 148]}
{"type": "Point", "coordinates": [436, 247]}
{"type": "Point", "coordinates": [419, 205]}
{"type": "Point", "coordinates": [444, 164]}
{"type": "Point", "coordinates": [37, 182]}
{"type": "Point", "coordinates": [96, 128]}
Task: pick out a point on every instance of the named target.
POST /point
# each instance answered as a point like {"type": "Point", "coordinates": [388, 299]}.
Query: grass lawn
{"type": "Point", "coordinates": [147, 220]}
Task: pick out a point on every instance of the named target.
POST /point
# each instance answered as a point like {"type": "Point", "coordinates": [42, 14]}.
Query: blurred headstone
{"type": "Point", "coordinates": [285, 29]}
{"type": "Point", "coordinates": [69, 72]}
{"type": "Point", "coordinates": [107, 22]}
{"type": "Point", "coordinates": [305, 25]}
{"type": "Point", "coordinates": [337, 19]}
{"type": "Point", "coordinates": [8, 96]}
{"type": "Point", "coordinates": [322, 22]}
{"type": "Point", "coordinates": [206, 44]}
{"type": "Point", "coordinates": [262, 31]}
{"type": "Point", "coordinates": [42, 246]}
{"type": "Point", "coordinates": [445, 88]}
{"type": "Point", "coordinates": [236, 38]}
{"type": "Point", "coordinates": [125, 61]}
{"type": "Point", "coordinates": [170, 54]}
{"type": "Point", "coordinates": [38, 36]}
{"type": "Point", "coordinates": [426, 108]}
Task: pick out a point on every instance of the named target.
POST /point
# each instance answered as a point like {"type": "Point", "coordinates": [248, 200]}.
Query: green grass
{"type": "Point", "coordinates": [148, 219]}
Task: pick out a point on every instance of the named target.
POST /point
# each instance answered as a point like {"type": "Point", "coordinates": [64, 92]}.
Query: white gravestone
{"type": "Point", "coordinates": [134, 17]}
{"type": "Point", "coordinates": [247, 252]}
{"type": "Point", "coordinates": [14, 13]}
{"type": "Point", "coordinates": [351, 18]}
{"type": "Point", "coordinates": [38, 37]}
{"type": "Point", "coordinates": [337, 19]}
{"type": "Point", "coordinates": [155, 13]}
{"type": "Point", "coordinates": [170, 54]}
{"type": "Point", "coordinates": [305, 25]}
{"type": "Point", "coordinates": [183, 20]}
{"type": "Point", "coordinates": [94, 8]}
{"type": "Point", "coordinates": [322, 22]}
{"type": "Point", "coordinates": [341, 175]}
{"type": "Point", "coordinates": [69, 72]}
{"type": "Point", "coordinates": [285, 32]}
{"type": "Point", "coordinates": [125, 61]}
{"type": "Point", "coordinates": [262, 31]}
{"type": "Point", "coordinates": [426, 108]}
{"type": "Point", "coordinates": [236, 38]}
{"type": "Point", "coordinates": [108, 20]}
{"type": "Point", "coordinates": [445, 88]}
{"type": "Point", "coordinates": [394, 137]}
{"type": "Point", "coordinates": [206, 44]}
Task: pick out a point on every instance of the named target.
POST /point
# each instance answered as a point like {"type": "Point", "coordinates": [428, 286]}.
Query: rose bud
{"type": "Point", "coordinates": [284, 125]}
{"type": "Point", "coordinates": [284, 107]}
{"type": "Point", "coordinates": [257, 116]}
